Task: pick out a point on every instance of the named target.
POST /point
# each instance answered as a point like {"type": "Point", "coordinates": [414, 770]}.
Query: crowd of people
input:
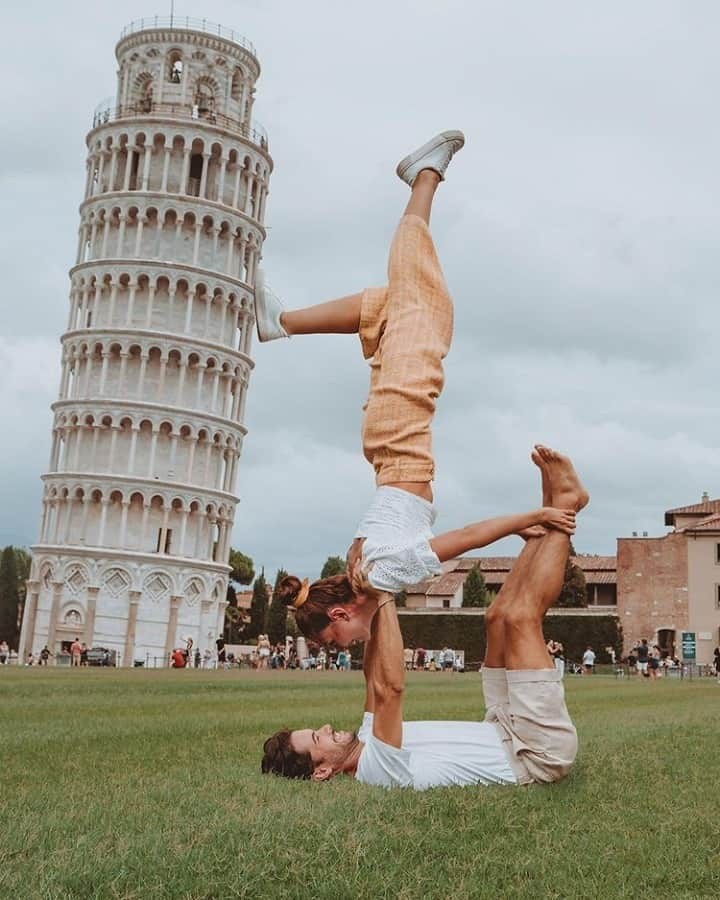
{"type": "Point", "coordinates": [422, 660]}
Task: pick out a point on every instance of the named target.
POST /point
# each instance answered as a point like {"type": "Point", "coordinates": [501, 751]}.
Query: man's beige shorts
{"type": "Point", "coordinates": [528, 707]}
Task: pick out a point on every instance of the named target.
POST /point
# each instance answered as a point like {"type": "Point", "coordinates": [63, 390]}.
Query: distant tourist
{"type": "Point", "coordinates": [588, 661]}
{"type": "Point", "coordinates": [188, 650]}
{"type": "Point", "coordinates": [76, 652]}
{"type": "Point", "coordinates": [178, 658]}
{"type": "Point", "coordinates": [643, 656]}
{"type": "Point", "coordinates": [220, 644]}
{"type": "Point", "coordinates": [632, 662]}
{"type": "Point", "coordinates": [408, 656]}
{"type": "Point", "coordinates": [557, 652]}
{"type": "Point", "coordinates": [197, 657]}
{"type": "Point", "coordinates": [45, 655]}
{"type": "Point", "coordinates": [716, 661]}
{"type": "Point", "coordinates": [420, 658]}
{"type": "Point", "coordinates": [84, 654]}
{"type": "Point", "coordinates": [207, 659]}
{"type": "Point", "coordinates": [30, 659]}
{"type": "Point", "coordinates": [447, 659]}
{"type": "Point", "coordinates": [4, 652]}
{"type": "Point", "coordinates": [654, 662]}
{"type": "Point", "coordinates": [264, 650]}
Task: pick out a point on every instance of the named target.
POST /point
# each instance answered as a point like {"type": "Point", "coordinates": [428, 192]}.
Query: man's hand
{"type": "Point", "coordinates": [561, 519]}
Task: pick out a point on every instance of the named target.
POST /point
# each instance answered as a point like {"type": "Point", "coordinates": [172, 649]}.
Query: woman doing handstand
{"type": "Point", "coordinates": [405, 331]}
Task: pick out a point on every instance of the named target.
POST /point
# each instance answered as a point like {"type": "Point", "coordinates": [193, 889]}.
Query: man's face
{"type": "Point", "coordinates": [326, 746]}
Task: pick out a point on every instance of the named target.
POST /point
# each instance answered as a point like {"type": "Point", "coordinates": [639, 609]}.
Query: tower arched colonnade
{"type": "Point", "coordinates": [184, 301]}
{"type": "Point", "coordinates": [145, 443]}
{"type": "Point", "coordinates": [155, 369]}
{"type": "Point", "coordinates": [162, 230]}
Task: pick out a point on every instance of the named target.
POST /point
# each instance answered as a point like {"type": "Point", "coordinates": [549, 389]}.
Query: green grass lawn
{"type": "Point", "coordinates": [140, 784]}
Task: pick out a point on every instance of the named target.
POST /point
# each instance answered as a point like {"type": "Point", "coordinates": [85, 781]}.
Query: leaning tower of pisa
{"type": "Point", "coordinates": [139, 502]}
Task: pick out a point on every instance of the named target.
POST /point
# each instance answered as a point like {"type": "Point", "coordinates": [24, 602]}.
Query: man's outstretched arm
{"type": "Point", "coordinates": [385, 675]}
{"type": "Point", "coordinates": [480, 534]}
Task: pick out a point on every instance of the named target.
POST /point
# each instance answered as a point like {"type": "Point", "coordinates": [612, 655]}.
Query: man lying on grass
{"type": "Point", "coordinates": [527, 736]}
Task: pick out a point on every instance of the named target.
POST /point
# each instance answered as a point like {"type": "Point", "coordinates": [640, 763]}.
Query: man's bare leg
{"type": "Point", "coordinates": [525, 646]}
{"type": "Point", "coordinates": [494, 617]}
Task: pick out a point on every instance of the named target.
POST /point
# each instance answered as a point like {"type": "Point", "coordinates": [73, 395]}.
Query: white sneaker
{"type": "Point", "coordinates": [435, 155]}
{"type": "Point", "coordinates": [268, 308]}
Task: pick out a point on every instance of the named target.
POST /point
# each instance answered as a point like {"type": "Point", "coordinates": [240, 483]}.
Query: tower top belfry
{"type": "Point", "coordinates": [188, 69]}
{"type": "Point", "coordinates": [139, 497]}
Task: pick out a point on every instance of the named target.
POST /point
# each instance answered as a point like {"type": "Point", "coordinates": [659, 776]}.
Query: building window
{"type": "Point", "coordinates": [717, 596]}
{"type": "Point", "coordinates": [164, 541]}
{"type": "Point", "coordinates": [717, 554]}
{"type": "Point", "coordinates": [446, 604]}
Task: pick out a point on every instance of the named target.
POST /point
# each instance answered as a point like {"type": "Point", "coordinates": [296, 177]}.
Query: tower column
{"type": "Point", "coordinates": [175, 602]}
{"type": "Point", "coordinates": [89, 633]}
{"type": "Point", "coordinates": [57, 587]}
{"type": "Point", "coordinates": [27, 631]}
{"type": "Point", "coordinates": [131, 628]}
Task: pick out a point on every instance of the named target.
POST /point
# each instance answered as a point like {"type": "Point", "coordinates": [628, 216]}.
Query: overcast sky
{"type": "Point", "coordinates": [577, 229]}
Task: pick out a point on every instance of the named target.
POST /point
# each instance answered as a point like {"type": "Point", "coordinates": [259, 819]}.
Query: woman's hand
{"type": "Point", "coordinates": [561, 519]}
{"type": "Point", "coordinates": [534, 531]}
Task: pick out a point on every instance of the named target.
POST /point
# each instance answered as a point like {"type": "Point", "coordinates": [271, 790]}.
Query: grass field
{"type": "Point", "coordinates": [141, 784]}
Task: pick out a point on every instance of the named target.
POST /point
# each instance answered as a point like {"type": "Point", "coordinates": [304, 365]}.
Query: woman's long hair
{"type": "Point", "coordinates": [312, 617]}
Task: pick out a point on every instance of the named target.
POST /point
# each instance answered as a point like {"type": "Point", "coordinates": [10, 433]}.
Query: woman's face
{"type": "Point", "coordinates": [347, 624]}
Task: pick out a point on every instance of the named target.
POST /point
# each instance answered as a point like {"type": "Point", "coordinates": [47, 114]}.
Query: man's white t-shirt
{"type": "Point", "coordinates": [397, 529]}
{"type": "Point", "coordinates": [434, 754]}
{"type": "Point", "coordinates": [588, 658]}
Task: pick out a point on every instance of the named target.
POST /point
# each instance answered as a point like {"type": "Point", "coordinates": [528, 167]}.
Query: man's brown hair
{"type": "Point", "coordinates": [279, 758]}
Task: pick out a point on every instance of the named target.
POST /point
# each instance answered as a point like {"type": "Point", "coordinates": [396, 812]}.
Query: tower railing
{"type": "Point", "coordinates": [253, 132]}
{"type": "Point", "coordinates": [187, 23]}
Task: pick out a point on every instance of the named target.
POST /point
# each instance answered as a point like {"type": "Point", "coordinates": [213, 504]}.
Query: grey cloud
{"type": "Point", "coordinates": [577, 230]}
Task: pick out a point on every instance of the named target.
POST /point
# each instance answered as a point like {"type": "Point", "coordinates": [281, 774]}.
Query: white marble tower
{"type": "Point", "coordinates": [139, 502]}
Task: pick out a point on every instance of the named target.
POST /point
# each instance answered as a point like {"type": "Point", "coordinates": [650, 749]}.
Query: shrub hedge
{"type": "Point", "coordinates": [463, 632]}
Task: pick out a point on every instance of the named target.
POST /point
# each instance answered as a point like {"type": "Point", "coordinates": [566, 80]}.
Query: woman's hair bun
{"type": "Point", "coordinates": [288, 589]}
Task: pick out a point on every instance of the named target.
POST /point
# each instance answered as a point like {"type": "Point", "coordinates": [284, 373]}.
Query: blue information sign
{"type": "Point", "coordinates": [688, 645]}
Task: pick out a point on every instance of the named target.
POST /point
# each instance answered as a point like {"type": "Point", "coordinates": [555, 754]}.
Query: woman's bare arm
{"type": "Point", "coordinates": [480, 534]}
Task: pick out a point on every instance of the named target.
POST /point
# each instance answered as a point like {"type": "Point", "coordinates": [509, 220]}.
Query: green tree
{"type": "Point", "coordinates": [241, 567]}
{"type": "Point", "coordinates": [23, 560]}
{"type": "Point", "coordinates": [475, 592]}
{"type": "Point", "coordinates": [9, 597]}
{"type": "Point", "coordinates": [334, 565]}
{"type": "Point", "coordinates": [258, 607]}
{"type": "Point", "coordinates": [277, 614]}
{"type": "Point", "coordinates": [574, 590]}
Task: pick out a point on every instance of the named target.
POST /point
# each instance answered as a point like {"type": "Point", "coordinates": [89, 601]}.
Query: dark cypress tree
{"type": "Point", "coordinates": [258, 607]}
{"type": "Point", "coordinates": [277, 615]}
{"type": "Point", "coordinates": [475, 592]}
{"type": "Point", "coordinates": [9, 597]}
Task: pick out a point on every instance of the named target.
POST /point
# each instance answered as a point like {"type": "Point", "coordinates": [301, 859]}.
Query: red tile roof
{"type": "Point", "coordinates": [706, 508]}
{"type": "Point", "coordinates": [712, 523]}
{"type": "Point", "coordinates": [495, 569]}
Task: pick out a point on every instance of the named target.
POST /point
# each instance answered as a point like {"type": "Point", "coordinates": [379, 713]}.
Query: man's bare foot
{"type": "Point", "coordinates": [567, 490]}
{"type": "Point", "coordinates": [546, 489]}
